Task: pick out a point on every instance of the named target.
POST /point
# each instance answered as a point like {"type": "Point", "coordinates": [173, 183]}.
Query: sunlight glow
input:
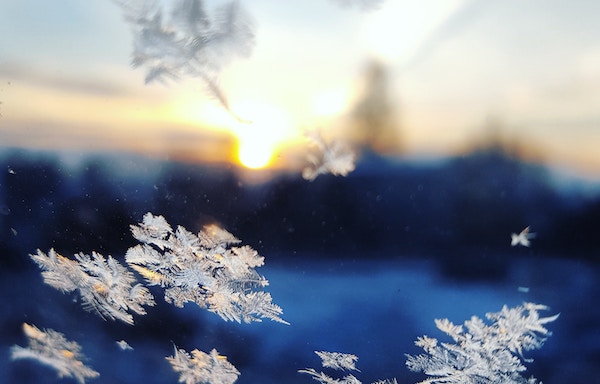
{"type": "Point", "coordinates": [398, 29]}
{"type": "Point", "coordinates": [259, 140]}
{"type": "Point", "coordinates": [193, 109]}
{"type": "Point", "coordinates": [254, 153]}
{"type": "Point", "coordinates": [330, 103]}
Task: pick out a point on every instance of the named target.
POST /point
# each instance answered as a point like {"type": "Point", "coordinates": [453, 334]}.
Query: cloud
{"type": "Point", "coordinates": [96, 86]}
{"type": "Point", "coordinates": [178, 143]}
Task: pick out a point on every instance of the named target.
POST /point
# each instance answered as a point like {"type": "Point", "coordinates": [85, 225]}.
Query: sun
{"type": "Point", "coordinates": [260, 138]}
{"type": "Point", "coordinates": [264, 128]}
{"type": "Point", "coordinates": [254, 153]}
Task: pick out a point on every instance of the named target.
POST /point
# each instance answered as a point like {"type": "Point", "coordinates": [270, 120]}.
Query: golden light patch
{"type": "Point", "coordinates": [259, 140]}
{"type": "Point", "coordinates": [101, 289]}
{"type": "Point", "coordinates": [68, 354]}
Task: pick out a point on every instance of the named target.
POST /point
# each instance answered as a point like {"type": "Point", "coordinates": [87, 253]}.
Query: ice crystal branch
{"type": "Point", "coordinates": [336, 157]}
{"type": "Point", "coordinates": [51, 348]}
{"type": "Point", "coordinates": [188, 41]}
{"type": "Point", "coordinates": [204, 268]}
{"type": "Point", "coordinates": [483, 353]}
{"type": "Point", "coordinates": [199, 367]}
{"type": "Point", "coordinates": [338, 361]}
{"type": "Point", "coordinates": [106, 287]}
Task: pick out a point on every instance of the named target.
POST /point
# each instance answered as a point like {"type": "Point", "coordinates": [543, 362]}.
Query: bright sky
{"type": "Point", "coordinates": [66, 79]}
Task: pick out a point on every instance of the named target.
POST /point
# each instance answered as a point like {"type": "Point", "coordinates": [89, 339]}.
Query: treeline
{"type": "Point", "coordinates": [461, 210]}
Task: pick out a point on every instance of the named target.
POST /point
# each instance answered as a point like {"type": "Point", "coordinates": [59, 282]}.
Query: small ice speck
{"type": "Point", "coordinates": [124, 345]}
{"type": "Point", "coordinates": [522, 238]}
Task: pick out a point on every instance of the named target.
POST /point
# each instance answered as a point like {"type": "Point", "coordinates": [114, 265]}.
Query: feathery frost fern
{"type": "Point", "coordinates": [188, 41]}
{"type": "Point", "coordinates": [335, 157]}
{"type": "Point", "coordinates": [106, 287]}
{"type": "Point", "coordinates": [51, 348]}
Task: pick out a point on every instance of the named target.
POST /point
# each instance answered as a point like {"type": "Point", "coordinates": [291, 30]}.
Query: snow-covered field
{"type": "Point", "coordinates": [374, 309]}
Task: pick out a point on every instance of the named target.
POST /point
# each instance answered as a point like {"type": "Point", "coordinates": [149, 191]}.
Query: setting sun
{"type": "Point", "coordinates": [259, 139]}
{"type": "Point", "coordinates": [254, 153]}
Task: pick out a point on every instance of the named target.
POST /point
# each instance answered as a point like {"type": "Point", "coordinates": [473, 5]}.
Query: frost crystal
{"type": "Point", "coordinates": [106, 287]}
{"type": "Point", "coordinates": [124, 345]}
{"type": "Point", "coordinates": [484, 353]}
{"type": "Point", "coordinates": [335, 158]}
{"type": "Point", "coordinates": [52, 349]}
{"type": "Point", "coordinates": [187, 41]}
{"type": "Point", "coordinates": [200, 367]}
{"type": "Point", "coordinates": [339, 361]}
{"type": "Point", "coordinates": [204, 268]}
{"type": "Point", "coordinates": [523, 238]}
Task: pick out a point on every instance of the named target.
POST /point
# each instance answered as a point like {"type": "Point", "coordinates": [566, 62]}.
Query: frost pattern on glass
{"type": "Point", "coordinates": [483, 353]}
{"type": "Point", "coordinates": [336, 157]}
{"type": "Point", "coordinates": [51, 348]}
{"type": "Point", "coordinates": [205, 269]}
{"type": "Point", "coordinates": [199, 367]}
{"type": "Point", "coordinates": [106, 287]}
{"type": "Point", "coordinates": [188, 41]}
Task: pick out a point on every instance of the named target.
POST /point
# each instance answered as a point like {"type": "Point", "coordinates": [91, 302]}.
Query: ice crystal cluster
{"type": "Point", "coordinates": [54, 350]}
{"type": "Point", "coordinates": [205, 269]}
{"type": "Point", "coordinates": [106, 287]}
{"type": "Point", "coordinates": [483, 353]}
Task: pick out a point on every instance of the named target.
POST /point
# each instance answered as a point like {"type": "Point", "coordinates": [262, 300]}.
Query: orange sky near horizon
{"type": "Point", "coordinates": [194, 130]}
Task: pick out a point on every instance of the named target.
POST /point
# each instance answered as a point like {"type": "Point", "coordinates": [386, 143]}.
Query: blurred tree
{"type": "Point", "coordinates": [374, 119]}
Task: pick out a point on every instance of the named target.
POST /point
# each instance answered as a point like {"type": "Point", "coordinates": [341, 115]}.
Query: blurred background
{"type": "Point", "coordinates": [426, 79]}
{"type": "Point", "coordinates": [471, 120]}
